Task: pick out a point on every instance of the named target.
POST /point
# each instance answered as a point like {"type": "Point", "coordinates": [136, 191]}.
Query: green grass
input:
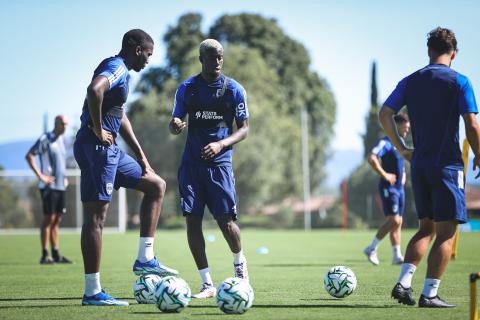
{"type": "Point", "coordinates": [288, 282]}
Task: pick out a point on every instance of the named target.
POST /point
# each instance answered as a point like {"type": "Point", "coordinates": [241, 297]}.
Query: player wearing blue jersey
{"type": "Point", "coordinates": [212, 102]}
{"type": "Point", "coordinates": [436, 96]}
{"type": "Point", "coordinates": [388, 163]}
{"type": "Point", "coordinates": [105, 167]}
{"type": "Point", "coordinates": [50, 149]}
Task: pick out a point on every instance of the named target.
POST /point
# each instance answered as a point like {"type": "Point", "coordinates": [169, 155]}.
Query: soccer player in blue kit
{"type": "Point", "coordinates": [389, 164]}
{"type": "Point", "coordinates": [436, 96]}
{"type": "Point", "coordinates": [212, 102]}
{"type": "Point", "coordinates": [105, 167]}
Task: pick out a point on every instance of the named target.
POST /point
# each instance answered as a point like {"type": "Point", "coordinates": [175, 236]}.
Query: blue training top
{"type": "Point", "coordinates": [436, 96]}
{"type": "Point", "coordinates": [392, 162]}
{"type": "Point", "coordinates": [116, 71]}
{"type": "Point", "coordinates": [211, 109]}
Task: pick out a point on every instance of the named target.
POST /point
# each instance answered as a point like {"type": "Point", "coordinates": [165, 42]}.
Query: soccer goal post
{"type": "Point", "coordinates": [21, 206]}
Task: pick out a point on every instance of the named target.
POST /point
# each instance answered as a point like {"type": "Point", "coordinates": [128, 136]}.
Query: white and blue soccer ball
{"type": "Point", "coordinates": [340, 282]}
{"type": "Point", "coordinates": [144, 288]}
{"type": "Point", "coordinates": [235, 296]}
{"type": "Point", "coordinates": [172, 294]}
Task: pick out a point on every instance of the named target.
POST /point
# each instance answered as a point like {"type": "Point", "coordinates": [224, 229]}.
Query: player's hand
{"type": "Point", "coordinates": [177, 125]}
{"type": "Point", "coordinates": [476, 164]}
{"type": "Point", "coordinates": [104, 136]}
{"type": "Point", "coordinates": [211, 150]}
{"type": "Point", "coordinates": [145, 166]}
{"type": "Point", "coordinates": [47, 179]}
{"type": "Point", "coordinates": [391, 178]}
{"type": "Point", "coordinates": [407, 153]}
{"type": "Point", "coordinates": [65, 182]}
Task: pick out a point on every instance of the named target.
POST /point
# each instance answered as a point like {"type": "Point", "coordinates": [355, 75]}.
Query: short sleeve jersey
{"type": "Point", "coordinates": [211, 109]}
{"type": "Point", "coordinates": [392, 161]}
{"type": "Point", "coordinates": [435, 96]}
{"type": "Point", "coordinates": [116, 71]}
{"type": "Point", "coordinates": [51, 152]}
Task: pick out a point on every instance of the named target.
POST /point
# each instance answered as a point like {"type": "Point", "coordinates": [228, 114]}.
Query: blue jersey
{"type": "Point", "coordinates": [115, 70]}
{"type": "Point", "coordinates": [435, 96]}
{"type": "Point", "coordinates": [392, 161]}
{"type": "Point", "coordinates": [211, 109]}
{"type": "Point", "coordinates": [51, 151]}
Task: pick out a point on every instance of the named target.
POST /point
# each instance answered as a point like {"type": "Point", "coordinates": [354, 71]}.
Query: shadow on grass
{"type": "Point", "coordinates": [296, 265]}
{"type": "Point", "coordinates": [39, 306]}
{"type": "Point", "coordinates": [79, 298]}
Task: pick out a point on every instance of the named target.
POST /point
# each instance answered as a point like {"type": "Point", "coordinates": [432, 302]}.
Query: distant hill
{"type": "Point", "coordinates": [12, 154]}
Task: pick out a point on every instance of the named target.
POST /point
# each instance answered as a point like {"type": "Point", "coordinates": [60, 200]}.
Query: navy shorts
{"type": "Point", "coordinates": [393, 200]}
{"type": "Point", "coordinates": [104, 168]}
{"type": "Point", "coordinates": [53, 201]}
{"type": "Point", "coordinates": [211, 186]}
{"type": "Point", "coordinates": [439, 194]}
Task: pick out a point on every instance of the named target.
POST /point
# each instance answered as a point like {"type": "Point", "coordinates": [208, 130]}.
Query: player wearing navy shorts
{"type": "Point", "coordinates": [436, 96]}
{"type": "Point", "coordinates": [212, 102]}
{"type": "Point", "coordinates": [104, 166]}
{"type": "Point", "coordinates": [389, 164]}
{"type": "Point", "coordinates": [50, 148]}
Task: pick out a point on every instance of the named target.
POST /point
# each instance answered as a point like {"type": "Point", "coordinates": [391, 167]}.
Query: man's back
{"type": "Point", "coordinates": [436, 96]}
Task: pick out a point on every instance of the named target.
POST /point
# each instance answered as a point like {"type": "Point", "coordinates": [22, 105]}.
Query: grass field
{"type": "Point", "coordinates": [288, 282]}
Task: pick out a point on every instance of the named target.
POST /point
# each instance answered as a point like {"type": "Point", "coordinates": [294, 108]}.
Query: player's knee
{"type": "Point", "coordinates": [158, 187]}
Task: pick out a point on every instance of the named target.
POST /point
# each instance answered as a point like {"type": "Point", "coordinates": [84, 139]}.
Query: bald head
{"type": "Point", "coordinates": [61, 123]}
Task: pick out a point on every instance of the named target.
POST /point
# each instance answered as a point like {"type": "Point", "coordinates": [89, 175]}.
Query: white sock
{"type": "Point", "coordinates": [430, 287]}
{"type": "Point", "coordinates": [92, 284]}
{"type": "Point", "coordinates": [145, 249]}
{"type": "Point", "coordinates": [375, 243]}
{"type": "Point", "coordinates": [239, 257]}
{"type": "Point", "coordinates": [205, 275]}
{"type": "Point", "coordinates": [406, 275]}
{"type": "Point", "coordinates": [397, 253]}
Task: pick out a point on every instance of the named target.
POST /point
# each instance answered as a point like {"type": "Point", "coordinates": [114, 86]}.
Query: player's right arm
{"type": "Point", "coordinates": [177, 125]}
{"type": "Point", "coordinates": [392, 105]}
{"type": "Point", "coordinates": [30, 157]}
{"type": "Point", "coordinates": [377, 167]}
{"type": "Point", "coordinates": [95, 92]}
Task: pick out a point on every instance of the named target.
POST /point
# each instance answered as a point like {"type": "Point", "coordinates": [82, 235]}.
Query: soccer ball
{"type": "Point", "coordinates": [234, 295]}
{"type": "Point", "coordinates": [172, 294]}
{"type": "Point", "coordinates": [340, 282]}
{"type": "Point", "coordinates": [144, 288]}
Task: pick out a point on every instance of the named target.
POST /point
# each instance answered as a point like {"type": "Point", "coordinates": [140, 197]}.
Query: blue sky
{"type": "Point", "coordinates": [50, 49]}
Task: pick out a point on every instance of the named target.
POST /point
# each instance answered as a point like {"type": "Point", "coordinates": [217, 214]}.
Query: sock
{"type": "Point", "coordinates": [44, 253]}
{"type": "Point", "coordinates": [92, 284]}
{"type": "Point", "coordinates": [396, 251]}
{"type": "Point", "coordinates": [205, 275]}
{"type": "Point", "coordinates": [145, 249]}
{"type": "Point", "coordinates": [406, 275]}
{"type": "Point", "coordinates": [55, 254]}
{"type": "Point", "coordinates": [239, 257]}
{"type": "Point", "coordinates": [430, 287]}
{"type": "Point", "coordinates": [375, 243]}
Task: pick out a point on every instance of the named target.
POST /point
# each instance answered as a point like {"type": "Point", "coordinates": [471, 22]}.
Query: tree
{"type": "Point", "coordinates": [373, 129]}
{"type": "Point", "coordinates": [13, 214]}
{"type": "Point", "coordinates": [268, 164]}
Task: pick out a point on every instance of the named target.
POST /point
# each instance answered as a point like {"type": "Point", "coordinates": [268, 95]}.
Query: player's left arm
{"type": "Point", "coordinates": [126, 132]}
{"type": "Point", "coordinates": [241, 120]}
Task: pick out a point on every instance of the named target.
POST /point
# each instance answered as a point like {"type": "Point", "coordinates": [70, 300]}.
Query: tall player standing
{"type": "Point", "coordinates": [105, 167]}
{"type": "Point", "coordinates": [436, 96]}
{"type": "Point", "coordinates": [212, 102]}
